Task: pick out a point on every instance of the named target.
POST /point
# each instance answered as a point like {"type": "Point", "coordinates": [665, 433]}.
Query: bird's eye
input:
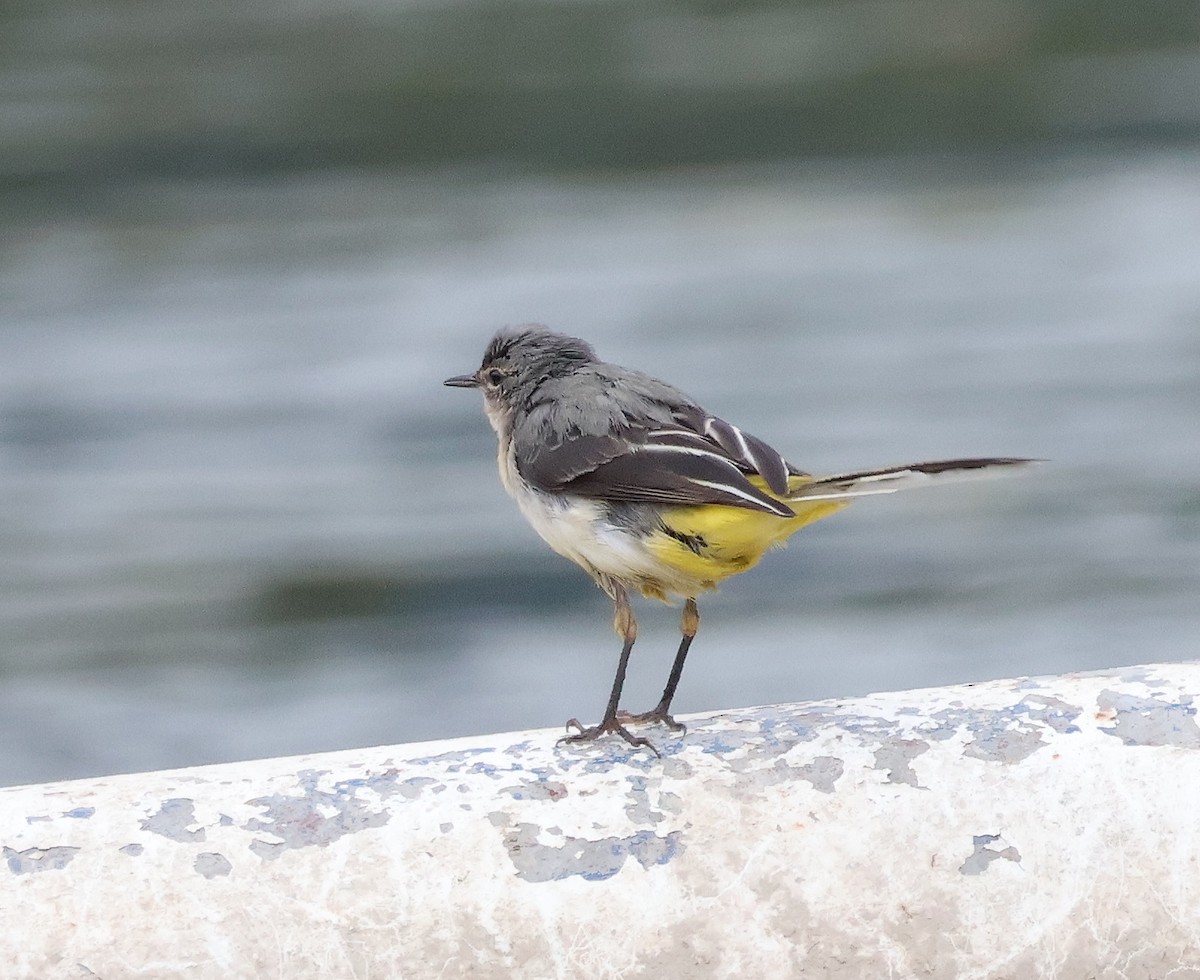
{"type": "Point", "coordinates": [495, 376]}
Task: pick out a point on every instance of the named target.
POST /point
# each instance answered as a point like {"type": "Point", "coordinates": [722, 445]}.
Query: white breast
{"type": "Point", "coordinates": [576, 528]}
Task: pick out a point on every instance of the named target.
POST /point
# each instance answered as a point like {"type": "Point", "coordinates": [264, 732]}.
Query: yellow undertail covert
{"type": "Point", "coordinates": [710, 542]}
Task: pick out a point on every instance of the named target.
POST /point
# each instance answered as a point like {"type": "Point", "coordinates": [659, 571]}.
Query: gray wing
{"type": "Point", "coordinates": [667, 450]}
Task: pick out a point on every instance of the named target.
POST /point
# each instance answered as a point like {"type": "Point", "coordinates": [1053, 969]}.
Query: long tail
{"type": "Point", "coordinates": [893, 478]}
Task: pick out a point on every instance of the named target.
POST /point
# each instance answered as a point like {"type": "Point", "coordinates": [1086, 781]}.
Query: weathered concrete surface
{"type": "Point", "coordinates": [1014, 829]}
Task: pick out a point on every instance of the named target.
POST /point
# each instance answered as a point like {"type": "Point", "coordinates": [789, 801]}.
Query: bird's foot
{"type": "Point", "coordinates": [655, 716]}
{"type": "Point", "coordinates": [608, 726]}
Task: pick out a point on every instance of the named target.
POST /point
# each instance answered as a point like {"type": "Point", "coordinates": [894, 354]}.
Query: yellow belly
{"type": "Point", "coordinates": [710, 543]}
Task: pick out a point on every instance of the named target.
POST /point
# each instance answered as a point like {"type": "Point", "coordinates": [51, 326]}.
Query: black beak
{"type": "Point", "coordinates": [462, 381]}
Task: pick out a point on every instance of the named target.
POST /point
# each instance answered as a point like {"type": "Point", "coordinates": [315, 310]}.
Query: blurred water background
{"type": "Point", "coordinates": [242, 243]}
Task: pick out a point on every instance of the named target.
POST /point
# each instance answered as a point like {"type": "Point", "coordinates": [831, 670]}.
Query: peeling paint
{"type": "Point", "coordinates": [315, 818]}
{"type": "Point", "coordinates": [896, 759]}
{"type": "Point", "coordinates": [80, 812]}
{"type": "Point", "coordinates": [410, 789]}
{"type": "Point", "coordinates": [822, 772]}
{"type": "Point", "coordinates": [172, 820]}
{"type": "Point", "coordinates": [752, 776]}
{"type": "Point", "coordinates": [1006, 735]}
{"type": "Point", "coordinates": [1054, 712]}
{"type": "Point", "coordinates": [35, 859]}
{"type": "Point", "coordinates": [982, 857]}
{"type": "Point", "coordinates": [764, 839]}
{"type": "Point", "coordinates": [1149, 721]}
{"type": "Point", "coordinates": [593, 758]}
{"type": "Point", "coordinates": [1009, 746]}
{"type": "Point", "coordinates": [639, 809]}
{"type": "Point", "coordinates": [213, 865]}
{"type": "Point", "coordinates": [541, 789]}
{"type": "Point", "coordinates": [592, 860]}
{"type": "Point", "coordinates": [449, 761]}
{"type": "Point", "coordinates": [670, 802]}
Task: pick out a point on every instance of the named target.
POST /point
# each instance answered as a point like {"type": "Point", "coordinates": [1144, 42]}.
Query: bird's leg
{"type": "Point", "coordinates": [626, 626]}
{"type": "Point", "coordinates": [688, 626]}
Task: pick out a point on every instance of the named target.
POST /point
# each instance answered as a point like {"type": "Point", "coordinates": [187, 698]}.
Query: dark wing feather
{"type": "Point", "coordinates": [669, 474]}
{"type": "Point", "coordinates": [749, 452]}
{"type": "Point", "coordinates": [551, 466]}
{"type": "Point", "coordinates": [636, 439]}
{"type": "Point", "coordinates": [673, 466]}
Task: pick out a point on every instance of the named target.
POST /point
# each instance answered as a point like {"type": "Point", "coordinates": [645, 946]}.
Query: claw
{"type": "Point", "coordinates": [655, 716]}
{"type": "Point", "coordinates": [608, 726]}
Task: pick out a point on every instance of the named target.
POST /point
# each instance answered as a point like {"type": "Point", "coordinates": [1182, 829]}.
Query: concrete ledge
{"type": "Point", "coordinates": [1024, 828]}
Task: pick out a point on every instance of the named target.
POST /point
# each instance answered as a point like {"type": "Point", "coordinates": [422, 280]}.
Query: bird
{"type": "Point", "coordinates": [648, 492]}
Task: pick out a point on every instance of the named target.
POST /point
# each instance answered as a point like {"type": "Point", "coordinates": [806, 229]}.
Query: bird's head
{"type": "Point", "coordinates": [516, 363]}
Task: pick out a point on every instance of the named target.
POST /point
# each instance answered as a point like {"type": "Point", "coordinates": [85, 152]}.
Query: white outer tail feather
{"type": "Point", "coordinates": [893, 478]}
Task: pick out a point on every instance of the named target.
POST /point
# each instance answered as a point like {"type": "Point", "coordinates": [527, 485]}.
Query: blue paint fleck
{"type": "Point", "coordinates": [1012, 734]}
{"type": "Point", "coordinates": [212, 865]}
{"type": "Point", "coordinates": [636, 759]}
{"type": "Point", "coordinates": [722, 743]}
{"type": "Point", "coordinates": [33, 860]}
{"type": "Point", "coordinates": [80, 812]}
{"type": "Point", "coordinates": [591, 860]}
{"type": "Point", "coordinates": [982, 856]}
{"type": "Point", "coordinates": [449, 761]}
{"type": "Point", "coordinates": [542, 788]}
{"type": "Point", "coordinates": [1150, 721]}
{"type": "Point", "coordinates": [313, 818]}
{"type": "Point", "coordinates": [172, 820]}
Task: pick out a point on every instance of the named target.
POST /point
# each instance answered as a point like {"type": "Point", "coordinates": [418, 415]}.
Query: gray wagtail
{"type": "Point", "coordinates": [647, 491]}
